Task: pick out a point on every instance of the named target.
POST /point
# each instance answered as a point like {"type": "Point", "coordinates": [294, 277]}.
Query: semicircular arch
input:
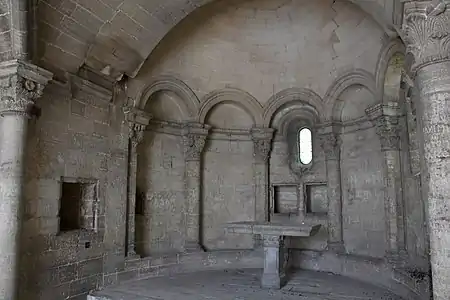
{"type": "Point", "coordinates": [289, 95]}
{"type": "Point", "coordinates": [350, 78]}
{"type": "Point", "coordinates": [242, 98]}
{"type": "Point", "coordinates": [172, 84]}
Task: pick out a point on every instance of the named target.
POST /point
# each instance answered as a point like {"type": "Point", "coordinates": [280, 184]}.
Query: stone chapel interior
{"type": "Point", "coordinates": [149, 139]}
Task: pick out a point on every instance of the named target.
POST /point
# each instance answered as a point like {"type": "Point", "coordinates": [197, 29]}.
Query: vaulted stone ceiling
{"type": "Point", "coordinates": [115, 37]}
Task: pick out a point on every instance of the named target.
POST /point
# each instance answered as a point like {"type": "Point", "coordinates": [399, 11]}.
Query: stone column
{"type": "Point", "coordinates": [20, 85]}
{"type": "Point", "coordinates": [262, 142]}
{"type": "Point", "coordinates": [427, 36]}
{"type": "Point", "coordinates": [330, 143]}
{"type": "Point", "coordinates": [386, 118]}
{"type": "Point", "coordinates": [137, 123]}
{"type": "Point", "coordinates": [194, 140]}
{"type": "Point", "coordinates": [274, 275]}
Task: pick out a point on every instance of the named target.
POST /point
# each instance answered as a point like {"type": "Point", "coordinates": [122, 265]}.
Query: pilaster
{"type": "Point", "coordinates": [137, 123]}
{"type": "Point", "coordinates": [426, 26]}
{"type": "Point", "coordinates": [194, 136]}
{"type": "Point", "coordinates": [330, 142]}
{"type": "Point", "coordinates": [387, 121]}
{"type": "Point", "coordinates": [21, 84]}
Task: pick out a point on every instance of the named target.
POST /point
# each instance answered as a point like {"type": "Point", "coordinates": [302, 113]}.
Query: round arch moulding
{"type": "Point", "coordinates": [172, 84]}
{"type": "Point", "coordinates": [291, 95]}
{"type": "Point", "coordinates": [343, 82]}
{"type": "Point", "coordinates": [393, 47]}
{"type": "Point", "coordinates": [242, 98]}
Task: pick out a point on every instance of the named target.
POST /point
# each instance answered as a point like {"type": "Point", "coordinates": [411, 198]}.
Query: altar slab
{"type": "Point", "coordinates": [272, 228]}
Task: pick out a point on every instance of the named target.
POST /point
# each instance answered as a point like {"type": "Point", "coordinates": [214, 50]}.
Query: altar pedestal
{"type": "Point", "coordinates": [273, 234]}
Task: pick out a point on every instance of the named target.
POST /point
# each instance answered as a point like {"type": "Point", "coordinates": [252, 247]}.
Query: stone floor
{"type": "Point", "coordinates": [243, 285]}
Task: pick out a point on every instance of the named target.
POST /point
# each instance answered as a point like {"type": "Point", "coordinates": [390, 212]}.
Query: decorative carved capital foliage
{"type": "Point", "coordinates": [388, 129]}
{"type": "Point", "coordinates": [427, 31]}
{"type": "Point", "coordinates": [262, 143]}
{"type": "Point", "coordinates": [20, 85]}
{"type": "Point", "coordinates": [137, 123]}
{"type": "Point", "coordinates": [273, 241]}
{"type": "Point", "coordinates": [331, 145]}
{"type": "Point", "coordinates": [194, 140]}
{"type": "Point", "coordinates": [136, 133]}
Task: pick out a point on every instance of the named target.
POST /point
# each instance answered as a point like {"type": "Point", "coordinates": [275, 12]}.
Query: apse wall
{"type": "Point", "coordinates": [266, 46]}
{"type": "Point", "coordinates": [160, 219]}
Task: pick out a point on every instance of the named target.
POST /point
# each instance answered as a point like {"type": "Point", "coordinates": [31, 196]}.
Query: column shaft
{"type": "Point", "coordinates": [434, 87]}
{"type": "Point", "coordinates": [393, 203]}
{"type": "Point", "coordinates": [14, 131]}
{"type": "Point", "coordinates": [193, 198]}
{"type": "Point", "coordinates": [131, 203]}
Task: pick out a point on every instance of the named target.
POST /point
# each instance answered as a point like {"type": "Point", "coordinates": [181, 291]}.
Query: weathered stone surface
{"type": "Point", "coordinates": [244, 284]}
{"type": "Point", "coordinates": [197, 138]}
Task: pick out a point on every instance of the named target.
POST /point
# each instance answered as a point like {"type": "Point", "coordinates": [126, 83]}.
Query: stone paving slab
{"type": "Point", "coordinates": [243, 285]}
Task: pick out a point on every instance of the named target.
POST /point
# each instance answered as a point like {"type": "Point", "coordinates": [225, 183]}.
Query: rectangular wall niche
{"type": "Point", "coordinates": [284, 199]}
{"type": "Point", "coordinates": [78, 204]}
{"type": "Point", "coordinates": [316, 198]}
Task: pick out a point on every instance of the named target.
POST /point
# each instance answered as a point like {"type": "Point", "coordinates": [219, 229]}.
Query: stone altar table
{"type": "Point", "coordinates": [273, 234]}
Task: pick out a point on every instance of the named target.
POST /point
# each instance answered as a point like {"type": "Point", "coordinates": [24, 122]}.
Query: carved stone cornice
{"type": "Point", "coordinates": [331, 145]}
{"type": "Point", "coordinates": [426, 26]}
{"type": "Point", "coordinates": [194, 137]}
{"type": "Point", "coordinates": [262, 143]}
{"type": "Point", "coordinates": [21, 83]}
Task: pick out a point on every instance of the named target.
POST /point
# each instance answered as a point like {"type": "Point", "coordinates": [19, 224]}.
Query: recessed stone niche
{"type": "Point", "coordinates": [316, 198]}
{"type": "Point", "coordinates": [284, 201]}
{"type": "Point", "coordinates": [78, 204]}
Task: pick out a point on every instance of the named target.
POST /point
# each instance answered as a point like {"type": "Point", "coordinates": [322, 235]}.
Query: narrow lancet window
{"type": "Point", "coordinates": [305, 146]}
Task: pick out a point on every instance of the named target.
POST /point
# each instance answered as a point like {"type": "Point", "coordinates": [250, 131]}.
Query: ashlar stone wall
{"type": "Point", "coordinates": [160, 180]}
{"type": "Point", "coordinates": [78, 135]}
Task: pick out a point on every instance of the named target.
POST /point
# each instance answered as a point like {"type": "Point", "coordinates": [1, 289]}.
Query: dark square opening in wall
{"type": "Point", "coordinates": [316, 198]}
{"type": "Point", "coordinates": [77, 205]}
{"type": "Point", "coordinates": [70, 209]}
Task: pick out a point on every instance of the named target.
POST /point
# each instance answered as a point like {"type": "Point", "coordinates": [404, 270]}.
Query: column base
{"type": "Point", "coordinates": [336, 247]}
{"type": "Point", "coordinates": [397, 259]}
{"type": "Point", "coordinates": [273, 281]}
{"type": "Point", "coordinates": [193, 246]}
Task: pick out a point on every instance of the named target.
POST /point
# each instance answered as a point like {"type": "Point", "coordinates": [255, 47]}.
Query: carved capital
{"type": "Point", "coordinates": [426, 27]}
{"type": "Point", "coordinates": [262, 143]}
{"type": "Point", "coordinates": [331, 145]}
{"type": "Point", "coordinates": [137, 123]}
{"type": "Point", "coordinates": [20, 85]}
{"type": "Point", "coordinates": [388, 130]}
{"type": "Point", "coordinates": [273, 241]}
{"type": "Point", "coordinates": [194, 140]}
{"type": "Point", "coordinates": [136, 133]}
